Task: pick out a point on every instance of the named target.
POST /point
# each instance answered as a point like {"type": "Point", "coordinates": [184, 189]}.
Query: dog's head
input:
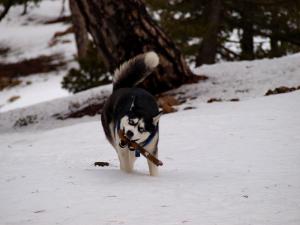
{"type": "Point", "coordinates": [137, 128]}
{"type": "Point", "coordinates": [139, 124]}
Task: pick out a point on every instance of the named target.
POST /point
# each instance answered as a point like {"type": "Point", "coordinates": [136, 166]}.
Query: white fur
{"type": "Point", "coordinates": [118, 71]}
{"type": "Point", "coordinates": [136, 134]}
{"type": "Point", "coordinates": [126, 157]}
{"type": "Point", "coordinates": [153, 169]}
{"type": "Point", "coordinates": [151, 60]}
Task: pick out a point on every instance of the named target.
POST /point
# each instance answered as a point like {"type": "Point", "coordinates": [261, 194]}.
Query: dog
{"type": "Point", "coordinates": [134, 111]}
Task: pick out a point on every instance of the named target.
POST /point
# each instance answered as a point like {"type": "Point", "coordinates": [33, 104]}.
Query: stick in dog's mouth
{"type": "Point", "coordinates": [132, 145]}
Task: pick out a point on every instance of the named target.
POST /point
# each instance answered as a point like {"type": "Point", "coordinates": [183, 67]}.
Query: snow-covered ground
{"type": "Point", "coordinates": [28, 37]}
{"type": "Point", "coordinates": [224, 163]}
{"type": "Point", "coordinates": [242, 80]}
{"type": "Point", "coordinates": [245, 79]}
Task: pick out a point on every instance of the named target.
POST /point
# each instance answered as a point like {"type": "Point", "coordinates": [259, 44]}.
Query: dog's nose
{"type": "Point", "coordinates": [129, 134]}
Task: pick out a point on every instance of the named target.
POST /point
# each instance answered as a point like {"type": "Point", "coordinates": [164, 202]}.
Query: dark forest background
{"type": "Point", "coordinates": [182, 32]}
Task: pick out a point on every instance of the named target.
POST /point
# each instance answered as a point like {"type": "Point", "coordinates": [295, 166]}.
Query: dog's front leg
{"type": "Point", "coordinates": [127, 159]}
{"type": "Point", "coordinates": [153, 169]}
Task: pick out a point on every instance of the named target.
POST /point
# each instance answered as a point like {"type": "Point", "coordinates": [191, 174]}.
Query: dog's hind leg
{"type": "Point", "coordinates": [153, 149]}
{"type": "Point", "coordinates": [153, 169]}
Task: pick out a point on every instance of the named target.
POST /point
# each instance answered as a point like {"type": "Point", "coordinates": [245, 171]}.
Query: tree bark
{"type": "Point", "coordinates": [275, 49]}
{"type": "Point", "coordinates": [81, 33]}
{"type": "Point", "coordinates": [247, 44]}
{"type": "Point", "coordinates": [25, 5]}
{"type": "Point", "coordinates": [122, 29]}
{"type": "Point", "coordinates": [208, 49]}
{"type": "Point", "coordinates": [6, 6]}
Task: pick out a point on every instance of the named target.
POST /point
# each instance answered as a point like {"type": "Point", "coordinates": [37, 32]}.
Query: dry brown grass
{"type": "Point", "coordinates": [11, 72]}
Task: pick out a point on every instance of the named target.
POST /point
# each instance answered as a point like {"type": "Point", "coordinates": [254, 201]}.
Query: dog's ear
{"type": "Point", "coordinates": [156, 118]}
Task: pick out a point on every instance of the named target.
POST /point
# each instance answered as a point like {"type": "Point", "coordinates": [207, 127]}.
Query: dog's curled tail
{"type": "Point", "coordinates": [135, 70]}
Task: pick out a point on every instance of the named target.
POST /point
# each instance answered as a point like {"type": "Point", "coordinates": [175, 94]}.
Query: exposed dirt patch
{"type": "Point", "coordinates": [41, 64]}
{"type": "Point", "coordinates": [6, 82]}
{"type": "Point", "coordinates": [93, 106]}
{"type": "Point", "coordinates": [14, 98]}
{"type": "Point", "coordinates": [167, 103]}
{"type": "Point", "coordinates": [234, 100]}
{"type": "Point", "coordinates": [25, 121]}
{"type": "Point", "coordinates": [281, 90]}
{"type": "Point", "coordinates": [11, 72]}
{"type": "Point", "coordinates": [55, 39]}
{"type": "Point", "coordinates": [4, 51]}
{"type": "Point", "coordinates": [189, 108]}
{"type": "Point", "coordinates": [90, 107]}
{"type": "Point", "coordinates": [211, 100]}
{"type": "Point", "coordinates": [62, 19]}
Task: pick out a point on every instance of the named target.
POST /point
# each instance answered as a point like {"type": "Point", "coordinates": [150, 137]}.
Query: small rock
{"type": "Point", "coordinates": [214, 100]}
{"type": "Point", "coordinates": [40, 211]}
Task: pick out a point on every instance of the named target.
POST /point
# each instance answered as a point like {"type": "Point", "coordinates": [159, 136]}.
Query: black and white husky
{"type": "Point", "coordinates": [132, 110]}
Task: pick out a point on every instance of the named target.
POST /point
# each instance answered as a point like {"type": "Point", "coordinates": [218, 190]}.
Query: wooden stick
{"type": "Point", "coordinates": [134, 145]}
{"type": "Point", "coordinates": [102, 164]}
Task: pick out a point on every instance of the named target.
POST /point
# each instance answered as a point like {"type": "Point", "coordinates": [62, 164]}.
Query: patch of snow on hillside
{"type": "Point", "coordinates": [245, 79]}
{"type": "Point", "coordinates": [29, 37]}
{"type": "Point", "coordinates": [42, 88]}
{"type": "Point", "coordinates": [242, 80]}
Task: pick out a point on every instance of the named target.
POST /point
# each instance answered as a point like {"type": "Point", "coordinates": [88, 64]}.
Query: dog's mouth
{"type": "Point", "coordinates": [123, 144]}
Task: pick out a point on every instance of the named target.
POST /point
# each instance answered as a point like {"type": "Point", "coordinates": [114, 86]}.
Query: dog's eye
{"type": "Point", "coordinates": [131, 122]}
{"type": "Point", "coordinates": [141, 129]}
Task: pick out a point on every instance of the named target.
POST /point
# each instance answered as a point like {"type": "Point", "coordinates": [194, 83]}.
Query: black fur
{"type": "Point", "coordinates": [131, 73]}
{"type": "Point", "coordinates": [119, 103]}
{"type": "Point", "coordinates": [129, 102]}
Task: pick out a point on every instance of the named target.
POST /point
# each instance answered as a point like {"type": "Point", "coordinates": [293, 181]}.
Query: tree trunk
{"type": "Point", "coordinates": [63, 8]}
{"type": "Point", "coordinates": [81, 33]}
{"type": "Point", "coordinates": [7, 5]}
{"type": "Point", "coordinates": [275, 49]}
{"type": "Point", "coordinates": [247, 44]}
{"type": "Point", "coordinates": [208, 49]}
{"type": "Point", "coordinates": [25, 5]}
{"type": "Point", "coordinates": [122, 29]}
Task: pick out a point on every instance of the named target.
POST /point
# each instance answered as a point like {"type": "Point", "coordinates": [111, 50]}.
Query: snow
{"type": "Point", "coordinates": [244, 79]}
{"type": "Point", "coordinates": [48, 87]}
{"type": "Point", "coordinates": [29, 37]}
{"type": "Point", "coordinates": [45, 111]}
{"type": "Point", "coordinates": [224, 163]}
